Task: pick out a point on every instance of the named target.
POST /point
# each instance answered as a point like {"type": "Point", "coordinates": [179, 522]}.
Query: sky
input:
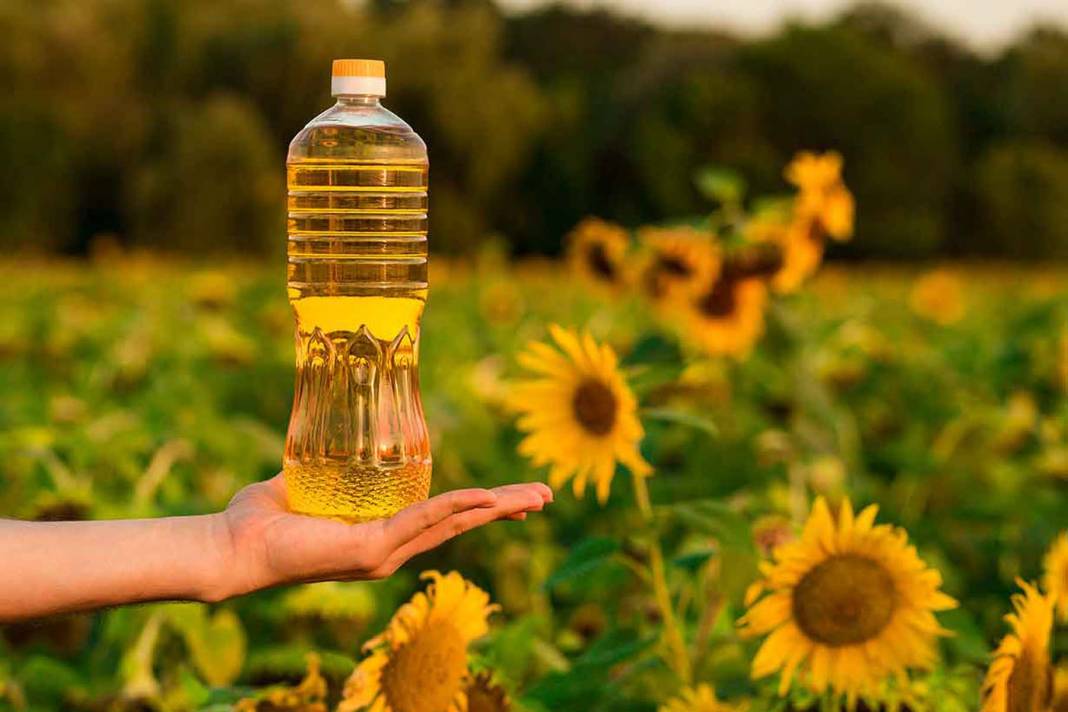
{"type": "Point", "coordinates": [985, 24]}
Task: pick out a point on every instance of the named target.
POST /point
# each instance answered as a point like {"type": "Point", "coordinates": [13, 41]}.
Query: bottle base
{"type": "Point", "coordinates": [354, 493]}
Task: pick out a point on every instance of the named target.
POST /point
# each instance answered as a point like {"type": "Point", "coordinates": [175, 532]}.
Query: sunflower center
{"type": "Point", "coordinates": [846, 600]}
{"type": "Point", "coordinates": [599, 262]}
{"type": "Point", "coordinates": [594, 405]}
{"type": "Point", "coordinates": [674, 266]}
{"type": "Point", "coordinates": [719, 302]}
{"type": "Point", "coordinates": [426, 674]}
{"type": "Point", "coordinates": [1030, 686]}
{"type": "Point", "coordinates": [759, 261]}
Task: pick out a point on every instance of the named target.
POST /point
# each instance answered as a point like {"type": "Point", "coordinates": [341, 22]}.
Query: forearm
{"type": "Point", "coordinates": [48, 568]}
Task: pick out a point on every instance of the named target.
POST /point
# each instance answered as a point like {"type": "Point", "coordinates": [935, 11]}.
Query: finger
{"type": "Point", "coordinates": [512, 501]}
{"type": "Point", "coordinates": [539, 488]}
{"type": "Point", "coordinates": [413, 521]}
{"type": "Point", "coordinates": [546, 491]}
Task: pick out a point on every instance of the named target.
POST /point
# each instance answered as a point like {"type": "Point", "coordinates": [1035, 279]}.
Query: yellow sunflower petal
{"type": "Point", "coordinates": [1055, 580]}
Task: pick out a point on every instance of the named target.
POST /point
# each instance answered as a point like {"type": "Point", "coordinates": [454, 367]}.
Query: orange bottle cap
{"type": "Point", "coordinates": [358, 76]}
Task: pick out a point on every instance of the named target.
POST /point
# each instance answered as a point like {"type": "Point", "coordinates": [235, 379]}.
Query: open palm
{"type": "Point", "coordinates": [269, 545]}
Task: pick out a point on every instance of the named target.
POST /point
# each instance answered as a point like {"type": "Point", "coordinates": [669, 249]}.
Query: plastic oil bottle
{"type": "Point", "coordinates": [357, 446]}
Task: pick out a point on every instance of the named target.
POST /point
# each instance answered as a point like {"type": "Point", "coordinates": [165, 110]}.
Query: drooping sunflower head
{"type": "Point", "coordinates": [799, 248]}
{"type": "Point", "coordinates": [1020, 676]}
{"type": "Point", "coordinates": [308, 696]}
{"type": "Point", "coordinates": [845, 606]}
{"type": "Point", "coordinates": [678, 262]}
{"type": "Point", "coordinates": [578, 412]}
{"type": "Point", "coordinates": [822, 196]}
{"type": "Point", "coordinates": [1055, 581]}
{"type": "Point", "coordinates": [701, 698]}
{"type": "Point", "coordinates": [419, 663]}
{"type": "Point", "coordinates": [597, 250]}
{"type": "Point", "coordinates": [726, 318]}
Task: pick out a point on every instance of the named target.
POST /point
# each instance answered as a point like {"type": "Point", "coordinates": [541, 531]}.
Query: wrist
{"type": "Point", "coordinates": [220, 573]}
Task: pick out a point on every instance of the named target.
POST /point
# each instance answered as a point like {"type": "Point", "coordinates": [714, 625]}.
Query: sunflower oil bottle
{"type": "Point", "coordinates": [357, 446]}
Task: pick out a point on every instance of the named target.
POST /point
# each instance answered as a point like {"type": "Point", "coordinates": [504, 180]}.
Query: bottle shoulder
{"type": "Point", "coordinates": [357, 132]}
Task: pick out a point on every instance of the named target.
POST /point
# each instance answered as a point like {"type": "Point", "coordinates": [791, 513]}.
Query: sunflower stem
{"type": "Point", "coordinates": [672, 634]}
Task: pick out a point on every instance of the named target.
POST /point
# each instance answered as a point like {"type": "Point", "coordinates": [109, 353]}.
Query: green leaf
{"type": "Point", "coordinates": [510, 649]}
{"type": "Point", "coordinates": [332, 600]}
{"type": "Point", "coordinates": [715, 518]}
{"type": "Point", "coordinates": [693, 560]}
{"type": "Point", "coordinates": [586, 685]}
{"type": "Point", "coordinates": [190, 693]}
{"type": "Point", "coordinates": [291, 661]}
{"type": "Point", "coordinates": [217, 645]}
{"type": "Point", "coordinates": [587, 556]}
{"type": "Point", "coordinates": [968, 640]}
{"type": "Point", "coordinates": [681, 417]}
{"type": "Point", "coordinates": [653, 349]}
{"type": "Point", "coordinates": [772, 207]}
{"type": "Point", "coordinates": [45, 678]}
{"type": "Point", "coordinates": [721, 185]}
{"type": "Point", "coordinates": [612, 648]}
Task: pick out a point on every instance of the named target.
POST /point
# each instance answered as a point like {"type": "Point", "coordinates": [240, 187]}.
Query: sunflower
{"type": "Point", "coordinates": [1056, 579]}
{"type": "Point", "coordinates": [579, 414]}
{"type": "Point", "coordinates": [679, 261]}
{"type": "Point", "coordinates": [822, 197]}
{"type": "Point", "coordinates": [727, 318]}
{"type": "Point", "coordinates": [698, 699]}
{"type": "Point", "coordinates": [799, 245]}
{"type": "Point", "coordinates": [1020, 677]}
{"type": "Point", "coordinates": [939, 297]}
{"type": "Point", "coordinates": [308, 696]}
{"type": "Point", "coordinates": [597, 249]}
{"type": "Point", "coordinates": [419, 663]}
{"type": "Point", "coordinates": [847, 604]}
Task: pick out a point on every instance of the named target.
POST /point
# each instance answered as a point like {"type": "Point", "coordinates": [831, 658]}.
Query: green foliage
{"type": "Point", "coordinates": [1025, 190]}
{"type": "Point", "coordinates": [583, 558]}
{"type": "Point", "coordinates": [164, 124]}
{"type": "Point", "coordinates": [137, 389]}
{"type": "Point", "coordinates": [216, 644]}
{"type": "Point", "coordinates": [834, 87]}
{"type": "Point", "coordinates": [218, 159]}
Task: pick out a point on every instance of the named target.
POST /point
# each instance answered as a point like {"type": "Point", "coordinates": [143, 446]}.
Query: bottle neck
{"type": "Point", "coordinates": [361, 100]}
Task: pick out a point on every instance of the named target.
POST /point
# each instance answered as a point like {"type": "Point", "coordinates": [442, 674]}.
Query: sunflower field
{"type": "Point", "coordinates": [780, 486]}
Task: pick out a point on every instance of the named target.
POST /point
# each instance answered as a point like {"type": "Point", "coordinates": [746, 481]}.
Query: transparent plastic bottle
{"type": "Point", "coordinates": [357, 446]}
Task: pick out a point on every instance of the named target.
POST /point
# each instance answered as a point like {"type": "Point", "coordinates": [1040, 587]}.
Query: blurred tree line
{"type": "Point", "coordinates": [164, 123]}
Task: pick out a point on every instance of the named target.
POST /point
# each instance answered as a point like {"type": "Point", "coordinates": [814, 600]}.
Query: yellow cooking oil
{"type": "Point", "coordinates": [357, 447]}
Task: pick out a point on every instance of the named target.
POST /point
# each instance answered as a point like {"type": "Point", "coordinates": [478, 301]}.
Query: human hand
{"type": "Point", "coordinates": [266, 545]}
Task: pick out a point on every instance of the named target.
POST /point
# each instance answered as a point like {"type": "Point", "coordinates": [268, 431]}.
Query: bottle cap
{"type": "Point", "coordinates": [358, 76]}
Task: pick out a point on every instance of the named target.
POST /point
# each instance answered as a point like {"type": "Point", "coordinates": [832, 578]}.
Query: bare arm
{"type": "Point", "coordinates": [58, 567]}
